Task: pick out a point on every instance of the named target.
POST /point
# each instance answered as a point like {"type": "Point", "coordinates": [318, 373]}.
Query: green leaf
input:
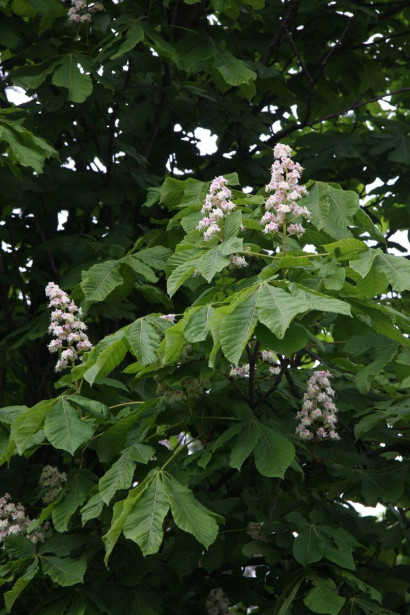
{"type": "Point", "coordinates": [332, 209]}
{"type": "Point", "coordinates": [64, 571]}
{"type": "Point", "coordinates": [237, 327]}
{"type": "Point", "coordinates": [92, 509]}
{"type": "Point", "coordinates": [273, 453]}
{"type": "Point", "coordinates": [119, 476]}
{"type": "Point", "coordinates": [232, 224]}
{"type": "Point", "coordinates": [197, 328]}
{"type": "Point", "coordinates": [135, 34]}
{"type": "Point", "coordinates": [19, 546]}
{"type": "Point", "coordinates": [121, 511]}
{"type": "Point", "coordinates": [11, 596]}
{"type": "Point", "coordinates": [323, 598]}
{"type": "Point", "coordinates": [346, 249]}
{"type": "Point", "coordinates": [155, 257]}
{"type": "Point", "coordinates": [95, 408]}
{"type": "Point", "coordinates": [212, 262]}
{"type": "Point", "coordinates": [112, 441]}
{"type": "Point", "coordinates": [26, 426]}
{"type": "Point", "coordinates": [68, 75]}
{"type": "Point", "coordinates": [277, 307]}
{"type": "Point", "coordinates": [397, 270]}
{"type": "Point", "coordinates": [319, 301]}
{"type": "Point", "coordinates": [143, 341]}
{"type": "Point", "coordinates": [144, 523]}
{"type": "Point", "coordinates": [363, 263]}
{"type": "Point", "coordinates": [308, 546]}
{"type": "Point", "coordinates": [28, 150]}
{"type": "Point", "coordinates": [189, 515]}
{"type": "Point", "coordinates": [63, 427]}
{"type": "Point", "coordinates": [232, 70]}
{"type": "Point", "coordinates": [100, 280]}
{"type": "Point", "coordinates": [140, 267]}
{"type": "Point", "coordinates": [105, 361]}
{"type": "Point", "coordinates": [11, 413]}
{"type": "Point", "coordinates": [244, 443]}
{"type": "Point", "coordinates": [79, 484]}
{"type": "Point", "coordinates": [179, 275]}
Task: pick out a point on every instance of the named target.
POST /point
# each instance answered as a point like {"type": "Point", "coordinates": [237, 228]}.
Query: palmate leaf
{"type": "Point", "coordinates": [143, 341]}
{"type": "Point", "coordinates": [232, 70]}
{"type": "Point", "coordinates": [104, 359]}
{"type": "Point", "coordinates": [237, 327]}
{"type": "Point", "coordinates": [189, 515]}
{"type": "Point", "coordinates": [63, 427]}
{"type": "Point", "coordinates": [18, 546]}
{"type": "Point", "coordinates": [64, 571]}
{"type": "Point", "coordinates": [144, 523]}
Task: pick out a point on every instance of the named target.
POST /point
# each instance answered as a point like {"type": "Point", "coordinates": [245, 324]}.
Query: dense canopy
{"type": "Point", "coordinates": [232, 361]}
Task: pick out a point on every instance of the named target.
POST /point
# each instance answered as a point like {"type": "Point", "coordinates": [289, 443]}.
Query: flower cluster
{"type": "Point", "coordinates": [82, 11]}
{"type": "Point", "coordinates": [237, 261]}
{"type": "Point", "coordinates": [270, 357]}
{"type": "Point", "coordinates": [286, 192]}
{"type": "Point", "coordinates": [13, 520]}
{"type": "Point", "coordinates": [254, 530]}
{"type": "Point", "coordinates": [240, 371]}
{"type": "Point", "coordinates": [67, 326]}
{"type": "Point", "coordinates": [317, 418]}
{"type": "Point", "coordinates": [217, 205]}
{"type": "Point", "coordinates": [52, 480]}
{"type": "Point", "coordinates": [217, 603]}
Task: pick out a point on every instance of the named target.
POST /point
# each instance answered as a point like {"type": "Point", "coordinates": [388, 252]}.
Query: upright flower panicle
{"type": "Point", "coordinates": [217, 205]}
{"type": "Point", "coordinates": [82, 11]}
{"type": "Point", "coordinates": [14, 520]}
{"type": "Point", "coordinates": [270, 357]}
{"type": "Point", "coordinates": [281, 207]}
{"type": "Point", "coordinates": [52, 480]}
{"type": "Point", "coordinates": [67, 327]}
{"type": "Point", "coordinates": [317, 417]}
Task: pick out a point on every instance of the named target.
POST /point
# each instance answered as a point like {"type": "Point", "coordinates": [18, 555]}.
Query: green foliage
{"type": "Point", "coordinates": [183, 477]}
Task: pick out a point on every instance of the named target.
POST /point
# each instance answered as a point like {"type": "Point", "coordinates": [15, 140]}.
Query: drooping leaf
{"type": "Point", "coordinates": [189, 514]}
{"type": "Point", "coordinates": [144, 523]}
{"type": "Point", "coordinates": [237, 327]}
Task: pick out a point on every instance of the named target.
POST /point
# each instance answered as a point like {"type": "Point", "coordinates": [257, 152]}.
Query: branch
{"type": "Point", "coordinates": [238, 388]}
{"type": "Point", "coordinates": [299, 125]}
{"type": "Point", "coordinates": [162, 105]}
{"type": "Point", "coordinates": [274, 386]}
{"type": "Point", "coordinates": [252, 368]}
{"type": "Point", "coordinates": [287, 18]}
